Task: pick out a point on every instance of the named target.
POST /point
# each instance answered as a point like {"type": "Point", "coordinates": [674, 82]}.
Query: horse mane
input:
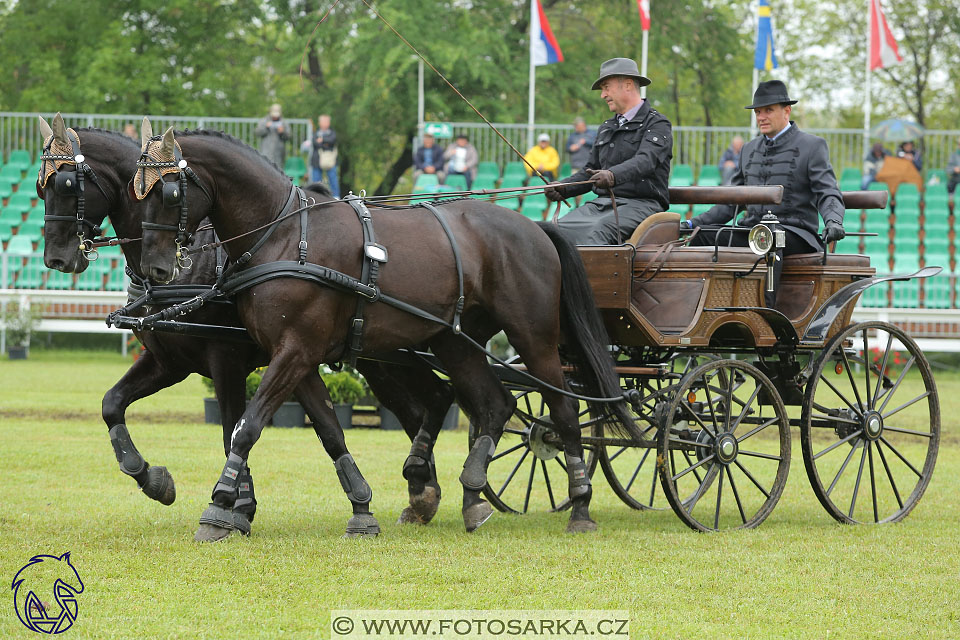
{"type": "Point", "coordinates": [250, 151]}
{"type": "Point", "coordinates": [108, 133]}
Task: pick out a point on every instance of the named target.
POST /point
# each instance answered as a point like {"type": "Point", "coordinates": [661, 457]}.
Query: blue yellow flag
{"type": "Point", "coordinates": [764, 58]}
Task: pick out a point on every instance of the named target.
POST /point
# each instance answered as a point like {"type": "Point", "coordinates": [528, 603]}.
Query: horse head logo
{"type": "Point", "coordinates": [40, 577]}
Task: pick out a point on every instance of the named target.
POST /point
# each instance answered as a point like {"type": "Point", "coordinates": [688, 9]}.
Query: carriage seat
{"type": "Point", "coordinates": [657, 228]}
{"type": "Point", "coordinates": [833, 260]}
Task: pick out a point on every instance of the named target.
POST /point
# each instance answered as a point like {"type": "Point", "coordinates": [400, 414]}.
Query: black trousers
{"type": "Point", "coordinates": [730, 237]}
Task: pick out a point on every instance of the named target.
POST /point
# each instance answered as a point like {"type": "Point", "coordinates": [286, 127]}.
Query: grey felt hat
{"type": "Point", "coordinates": [770, 92]}
{"type": "Point", "coordinates": [620, 67]}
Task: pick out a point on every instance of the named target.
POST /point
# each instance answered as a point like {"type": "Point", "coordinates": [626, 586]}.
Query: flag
{"type": "Point", "coordinates": [764, 58]}
{"type": "Point", "coordinates": [543, 46]}
{"type": "Point", "coordinates": [643, 6]}
{"type": "Point", "coordinates": [883, 46]}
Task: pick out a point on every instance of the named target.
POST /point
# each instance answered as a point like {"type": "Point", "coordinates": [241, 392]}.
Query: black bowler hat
{"type": "Point", "coordinates": [770, 92]}
{"type": "Point", "coordinates": [620, 67]}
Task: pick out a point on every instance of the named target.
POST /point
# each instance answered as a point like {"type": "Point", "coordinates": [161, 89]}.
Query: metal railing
{"type": "Point", "coordinates": [22, 131]}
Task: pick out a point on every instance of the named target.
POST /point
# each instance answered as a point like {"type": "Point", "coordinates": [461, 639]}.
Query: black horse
{"type": "Point", "coordinates": [415, 394]}
{"type": "Point", "coordinates": [516, 276]}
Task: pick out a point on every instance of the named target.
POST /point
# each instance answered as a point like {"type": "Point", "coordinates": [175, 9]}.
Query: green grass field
{"type": "Point", "coordinates": [799, 575]}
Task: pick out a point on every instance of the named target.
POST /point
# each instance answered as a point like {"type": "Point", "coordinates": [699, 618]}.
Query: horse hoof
{"type": "Point", "coordinates": [211, 533]}
{"type": "Point", "coordinates": [581, 526]}
{"type": "Point", "coordinates": [362, 525]}
{"type": "Point", "coordinates": [426, 504]}
{"type": "Point", "coordinates": [476, 515]}
{"type": "Point", "coordinates": [409, 516]}
{"type": "Point", "coordinates": [159, 486]}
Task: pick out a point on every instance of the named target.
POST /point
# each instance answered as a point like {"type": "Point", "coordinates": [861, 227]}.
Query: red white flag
{"type": "Point", "coordinates": [883, 46]}
{"type": "Point", "coordinates": [643, 6]}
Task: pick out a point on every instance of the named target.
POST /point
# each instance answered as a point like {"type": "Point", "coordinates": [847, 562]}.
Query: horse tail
{"type": "Point", "coordinates": [587, 344]}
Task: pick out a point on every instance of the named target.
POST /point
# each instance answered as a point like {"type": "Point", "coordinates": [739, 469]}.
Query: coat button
{"type": "Point", "coordinates": [655, 138]}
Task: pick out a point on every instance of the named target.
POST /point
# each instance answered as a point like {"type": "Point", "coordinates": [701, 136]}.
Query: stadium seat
{"type": "Point", "coordinates": [295, 167]}
{"type": "Point", "coordinates": [536, 198]}
{"type": "Point", "coordinates": [31, 275]}
{"type": "Point", "coordinates": [564, 209]}
{"type": "Point", "coordinates": [20, 159]}
{"type": "Point", "coordinates": [875, 296]}
{"type": "Point", "coordinates": [6, 190]}
{"type": "Point", "coordinates": [879, 258]}
{"type": "Point", "coordinates": [681, 176]}
{"type": "Point", "coordinates": [936, 226]}
{"type": "Point", "coordinates": [6, 232]}
{"type": "Point", "coordinates": [12, 172]}
{"type": "Point", "coordinates": [514, 169]}
{"type": "Point", "coordinates": [425, 180]}
{"type": "Point", "coordinates": [906, 255]}
{"type": "Point", "coordinates": [851, 220]}
{"type": "Point", "coordinates": [850, 244]}
{"type": "Point", "coordinates": [513, 181]}
{"type": "Point", "coordinates": [509, 203]}
{"type": "Point", "coordinates": [565, 170]}
{"type": "Point", "coordinates": [937, 292]}
{"type": "Point", "coordinates": [907, 194]}
{"type": "Point", "coordinates": [488, 169]}
{"type": "Point", "coordinates": [532, 209]}
{"type": "Point", "coordinates": [588, 196]}
{"type": "Point", "coordinates": [20, 244]}
{"type": "Point", "coordinates": [851, 174]}
{"type": "Point", "coordinates": [878, 186]}
{"type": "Point", "coordinates": [877, 222]}
{"type": "Point", "coordinates": [701, 208]}
{"type": "Point", "coordinates": [709, 176]}
{"type": "Point", "coordinates": [682, 209]}
{"type": "Point", "coordinates": [457, 181]}
{"type": "Point", "coordinates": [936, 210]}
{"type": "Point", "coordinates": [483, 182]}
{"type": "Point", "coordinates": [117, 280]}
{"type": "Point", "coordinates": [906, 294]}
{"type": "Point", "coordinates": [58, 280]}
{"type": "Point", "coordinates": [22, 201]}
{"type": "Point", "coordinates": [12, 215]}
{"type": "Point", "coordinates": [936, 177]}
{"type": "Point", "coordinates": [849, 185]}
{"type": "Point", "coordinates": [936, 194]}
{"type": "Point", "coordinates": [31, 228]}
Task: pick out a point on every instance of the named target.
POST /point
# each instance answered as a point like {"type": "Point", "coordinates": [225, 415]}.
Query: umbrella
{"type": "Point", "coordinates": [897, 130]}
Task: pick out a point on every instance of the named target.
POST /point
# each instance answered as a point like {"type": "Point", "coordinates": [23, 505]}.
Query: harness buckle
{"type": "Point", "coordinates": [368, 292]}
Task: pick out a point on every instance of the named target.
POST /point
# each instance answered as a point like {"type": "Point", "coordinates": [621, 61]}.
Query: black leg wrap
{"type": "Point", "coordinates": [417, 464]}
{"type": "Point", "coordinates": [227, 489]}
{"type": "Point", "coordinates": [159, 486]}
{"type": "Point", "coordinates": [474, 474]}
{"type": "Point", "coordinates": [246, 501]}
{"type": "Point", "coordinates": [353, 484]}
{"type": "Point", "coordinates": [225, 519]}
{"type": "Point", "coordinates": [131, 462]}
{"type": "Point", "coordinates": [579, 480]}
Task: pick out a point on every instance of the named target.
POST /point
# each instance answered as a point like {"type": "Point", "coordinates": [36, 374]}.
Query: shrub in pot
{"type": "Point", "coordinates": [345, 390]}
{"type": "Point", "coordinates": [19, 323]}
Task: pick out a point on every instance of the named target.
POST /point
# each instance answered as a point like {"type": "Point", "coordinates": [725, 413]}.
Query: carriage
{"type": "Point", "coordinates": [722, 379]}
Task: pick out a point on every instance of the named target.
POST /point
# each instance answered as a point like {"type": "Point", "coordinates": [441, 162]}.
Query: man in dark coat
{"type": "Point", "coordinates": [782, 155]}
{"type": "Point", "coordinates": [631, 156]}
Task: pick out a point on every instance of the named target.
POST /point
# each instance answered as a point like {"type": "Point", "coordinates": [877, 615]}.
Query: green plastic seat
{"type": "Point", "coordinates": [514, 169]}
{"type": "Point", "coordinates": [32, 274]}
{"type": "Point", "coordinates": [6, 232]}
{"type": "Point", "coordinates": [509, 203]}
{"type": "Point", "coordinates": [536, 198]}
{"type": "Point", "coordinates": [851, 219]}
{"type": "Point", "coordinates": [849, 185]}
{"type": "Point", "coordinates": [11, 215]}
{"type": "Point", "coordinates": [483, 182]}
{"type": "Point", "coordinates": [532, 209]}
{"type": "Point", "coordinates": [6, 190]}
{"type": "Point", "coordinates": [488, 169]}
{"type": "Point", "coordinates": [32, 228]}
{"type": "Point", "coordinates": [849, 244]}
{"type": "Point", "coordinates": [59, 281]}
{"type": "Point", "coordinates": [875, 296]}
{"type": "Point", "coordinates": [709, 176]}
{"type": "Point", "coordinates": [588, 196]}
{"type": "Point", "coordinates": [513, 181]}
{"type": "Point", "coordinates": [425, 180]}
{"type": "Point", "coordinates": [937, 292]}
{"type": "Point", "coordinates": [681, 176]}
{"type": "Point", "coordinates": [566, 170]}
{"type": "Point", "coordinates": [457, 181]}
{"type": "Point", "coordinates": [12, 171]}
{"type": "Point", "coordinates": [937, 258]}
{"type": "Point", "coordinates": [906, 257]}
{"type": "Point", "coordinates": [20, 245]}
{"type": "Point", "coordinates": [878, 186]}
{"type": "Point", "coordinates": [116, 281]}
{"type": "Point", "coordinates": [295, 167]}
{"type": "Point", "coordinates": [936, 194]}
{"type": "Point", "coordinates": [682, 209]}
{"type": "Point", "coordinates": [852, 174]}
{"type": "Point", "coordinates": [936, 225]}
{"type": "Point", "coordinates": [36, 212]}
{"type": "Point", "coordinates": [22, 201]}
{"type": "Point", "coordinates": [935, 177]}
{"type": "Point", "coordinates": [877, 222]}
{"type": "Point", "coordinates": [906, 294]}
{"type": "Point", "coordinates": [879, 259]}
{"type": "Point", "coordinates": [701, 208]}
{"type": "Point", "coordinates": [19, 158]}
{"type": "Point", "coordinates": [92, 278]}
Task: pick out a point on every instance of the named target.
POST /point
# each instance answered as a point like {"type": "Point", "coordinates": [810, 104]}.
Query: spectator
{"type": "Point", "coordinates": [730, 160]}
{"type": "Point", "coordinates": [323, 154]}
{"type": "Point", "coordinates": [911, 153]}
{"type": "Point", "coordinates": [580, 144]}
{"type": "Point", "coordinates": [428, 158]}
{"type": "Point", "coordinates": [130, 130]}
{"type": "Point", "coordinates": [872, 164]}
{"type": "Point", "coordinates": [953, 169]}
{"type": "Point", "coordinates": [462, 158]}
{"type": "Point", "coordinates": [543, 157]}
{"type": "Point", "coordinates": [273, 133]}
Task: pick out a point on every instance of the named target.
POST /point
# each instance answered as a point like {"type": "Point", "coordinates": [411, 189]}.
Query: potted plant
{"type": "Point", "coordinates": [19, 323]}
{"type": "Point", "coordinates": [389, 420]}
{"type": "Point", "coordinates": [345, 390]}
{"type": "Point", "coordinates": [211, 408]}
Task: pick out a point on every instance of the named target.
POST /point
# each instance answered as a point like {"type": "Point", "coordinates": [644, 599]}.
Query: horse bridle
{"type": "Point", "coordinates": [174, 194]}
{"type": "Point", "coordinates": [71, 183]}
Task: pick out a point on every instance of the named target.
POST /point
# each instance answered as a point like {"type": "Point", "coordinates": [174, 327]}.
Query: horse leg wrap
{"type": "Point", "coordinates": [246, 501]}
{"type": "Point", "coordinates": [229, 482]}
{"type": "Point", "coordinates": [131, 462]}
{"type": "Point", "coordinates": [353, 484]}
{"type": "Point", "coordinates": [225, 519]}
{"type": "Point", "coordinates": [474, 474]}
{"type": "Point", "coordinates": [420, 455]}
{"type": "Point", "coordinates": [579, 479]}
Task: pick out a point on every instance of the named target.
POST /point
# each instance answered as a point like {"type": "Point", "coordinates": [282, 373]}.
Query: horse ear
{"type": "Point", "coordinates": [66, 556]}
{"type": "Point", "coordinates": [166, 146]}
{"type": "Point", "coordinates": [45, 130]}
{"type": "Point", "coordinates": [60, 129]}
{"type": "Point", "coordinates": [146, 132]}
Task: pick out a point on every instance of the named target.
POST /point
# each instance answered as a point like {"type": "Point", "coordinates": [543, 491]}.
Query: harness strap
{"type": "Point", "coordinates": [247, 255]}
{"type": "Point", "coordinates": [373, 255]}
{"type": "Point", "coordinates": [458, 309]}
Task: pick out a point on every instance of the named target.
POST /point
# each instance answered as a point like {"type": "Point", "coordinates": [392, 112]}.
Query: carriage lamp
{"type": "Point", "coordinates": [764, 240]}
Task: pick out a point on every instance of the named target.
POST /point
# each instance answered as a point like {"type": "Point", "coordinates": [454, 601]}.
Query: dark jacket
{"type": "Point", "coordinates": [329, 144]}
{"type": "Point", "coordinates": [420, 162]}
{"type": "Point", "coordinates": [638, 154]}
{"type": "Point", "coordinates": [801, 163]}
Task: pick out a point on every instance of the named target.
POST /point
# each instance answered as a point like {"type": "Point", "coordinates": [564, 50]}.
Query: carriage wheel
{"type": "Point", "coordinates": [724, 452]}
{"type": "Point", "coordinates": [869, 440]}
{"type": "Point", "coordinates": [527, 471]}
{"type": "Point", "coordinates": [632, 471]}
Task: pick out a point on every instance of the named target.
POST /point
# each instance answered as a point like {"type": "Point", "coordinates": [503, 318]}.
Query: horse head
{"type": "Point", "coordinates": [79, 188]}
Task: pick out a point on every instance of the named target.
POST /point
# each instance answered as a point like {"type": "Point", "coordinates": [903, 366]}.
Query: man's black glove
{"type": "Point", "coordinates": [552, 191]}
{"type": "Point", "coordinates": [832, 232]}
{"type": "Point", "coordinates": [603, 178]}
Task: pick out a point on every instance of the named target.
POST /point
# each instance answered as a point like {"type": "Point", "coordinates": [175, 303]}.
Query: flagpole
{"type": "Point", "coordinates": [756, 72]}
{"type": "Point", "coordinates": [867, 105]}
{"type": "Point", "coordinates": [531, 100]}
{"type": "Point", "coordinates": [643, 61]}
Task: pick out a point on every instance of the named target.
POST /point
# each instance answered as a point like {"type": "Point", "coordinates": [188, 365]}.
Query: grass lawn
{"type": "Point", "coordinates": [799, 575]}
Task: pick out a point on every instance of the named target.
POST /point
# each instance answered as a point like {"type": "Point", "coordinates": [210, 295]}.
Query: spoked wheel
{"type": "Point", "coordinates": [724, 449]}
{"type": "Point", "coordinates": [870, 434]}
{"type": "Point", "coordinates": [527, 471]}
{"type": "Point", "coordinates": [631, 471]}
